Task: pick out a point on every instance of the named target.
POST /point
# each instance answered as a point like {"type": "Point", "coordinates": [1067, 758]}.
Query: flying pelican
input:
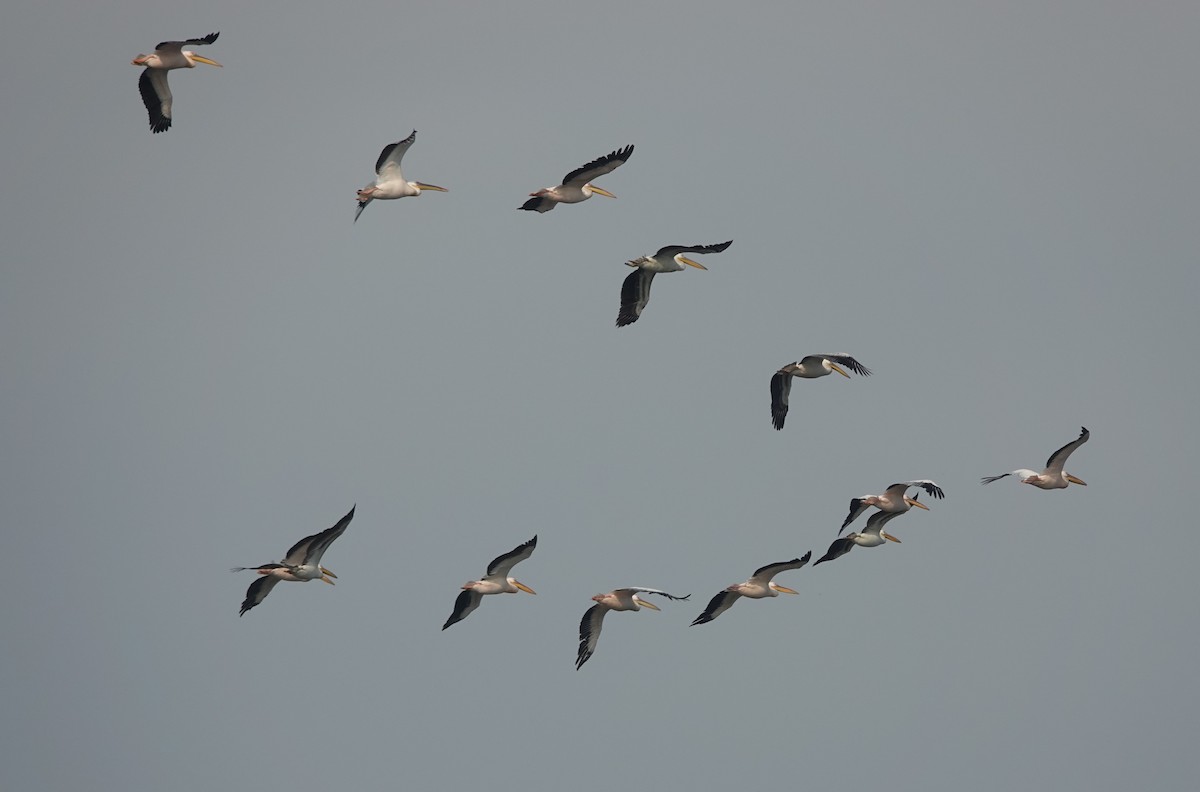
{"type": "Point", "coordinates": [894, 499]}
{"type": "Point", "coordinates": [156, 94]}
{"type": "Point", "coordinates": [496, 581]}
{"type": "Point", "coordinates": [872, 536]}
{"type": "Point", "coordinates": [1053, 477]}
{"type": "Point", "coordinates": [758, 586]}
{"type": "Point", "coordinates": [576, 186]}
{"type": "Point", "coordinates": [301, 564]}
{"type": "Point", "coordinates": [389, 182]}
{"type": "Point", "coordinates": [809, 367]}
{"type": "Point", "coordinates": [635, 291]}
{"type": "Point", "coordinates": [622, 599]}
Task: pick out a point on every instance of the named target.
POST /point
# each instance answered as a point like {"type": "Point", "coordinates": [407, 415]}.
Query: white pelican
{"type": "Point", "coordinates": [894, 499]}
{"type": "Point", "coordinates": [156, 94]}
{"type": "Point", "coordinates": [301, 564]}
{"type": "Point", "coordinates": [576, 185]}
{"type": "Point", "coordinates": [635, 291]}
{"type": "Point", "coordinates": [1053, 477]}
{"type": "Point", "coordinates": [758, 586]}
{"type": "Point", "coordinates": [622, 599]}
{"type": "Point", "coordinates": [808, 367]}
{"type": "Point", "coordinates": [496, 581]}
{"type": "Point", "coordinates": [389, 181]}
{"type": "Point", "coordinates": [872, 536]}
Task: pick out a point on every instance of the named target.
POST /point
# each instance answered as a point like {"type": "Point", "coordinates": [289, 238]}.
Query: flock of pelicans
{"type": "Point", "coordinates": [302, 562]}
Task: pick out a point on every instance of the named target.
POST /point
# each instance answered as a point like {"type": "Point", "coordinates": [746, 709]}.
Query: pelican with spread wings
{"type": "Point", "coordinates": [622, 599]}
{"type": "Point", "coordinates": [156, 93]}
{"type": "Point", "coordinates": [635, 291]}
{"type": "Point", "coordinates": [1053, 477]}
{"type": "Point", "coordinates": [760, 584]}
{"type": "Point", "coordinates": [301, 564]}
{"type": "Point", "coordinates": [894, 499]}
{"type": "Point", "coordinates": [389, 180]}
{"type": "Point", "coordinates": [808, 367]}
{"type": "Point", "coordinates": [872, 536]}
{"type": "Point", "coordinates": [497, 581]}
{"type": "Point", "coordinates": [576, 186]}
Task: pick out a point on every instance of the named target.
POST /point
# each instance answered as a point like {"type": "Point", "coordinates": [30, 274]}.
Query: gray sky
{"type": "Point", "coordinates": [993, 206]}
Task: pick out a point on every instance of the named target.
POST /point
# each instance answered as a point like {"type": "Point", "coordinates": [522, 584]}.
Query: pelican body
{"type": "Point", "coordinates": [576, 186]}
{"type": "Point", "coordinates": [808, 367]}
{"type": "Point", "coordinates": [635, 291]}
{"type": "Point", "coordinates": [497, 581]}
{"type": "Point", "coordinates": [872, 536]}
{"type": "Point", "coordinates": [389, 181]}
{"type": "Point", "coordinates": [156, 93]}
{"type": "Point", "coordinates": [894, 499]}
{"type": "Point", "coordinates": [301, 564]}
{"type": "Point", "coordinates": [1053, 477]}
{"type": "Point", "coordinates": [759, 585]}
{"type": "Point", "coordinates": [622, 599]}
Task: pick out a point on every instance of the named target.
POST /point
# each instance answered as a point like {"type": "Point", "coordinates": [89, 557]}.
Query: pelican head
{"type": "Point", "coordinates": [521, 586]}
{"type": "Point", "coordinates": [682, 259]}
{"type": "Point", "coordinates": [418, 186]}
{"type": "Point", "coordinates": [193, 59]}
{"type": "Point", "coordinates": [831, 366]}
{"type": "Point", "coordinates": [325, 575]}
{"type": "Point", "coordinates": [592, 189]}
{"type": "Point", "coordinates": [1074, 480]}
{"type": "Point", "coordinates": [917, 503]}
{"type": "Point", "coordinates": [781, 589]}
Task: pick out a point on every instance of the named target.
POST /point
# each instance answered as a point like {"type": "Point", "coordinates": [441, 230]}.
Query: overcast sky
{"type": "Point", "coordinates": [992, 206]}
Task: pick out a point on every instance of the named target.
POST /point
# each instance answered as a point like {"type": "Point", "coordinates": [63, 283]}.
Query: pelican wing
{"type": "Point", "coordinates": [879, 519]}
{"type": "Point", "coordinates": [764, 574]}
{"type": "Point", "coordinates": [838, 549]}
{"type": "Point", "coordinates": [310, 549]}
{"type": "Point", "coordinates": [842, 359]}
{"type": "Point", "coordinates": [258, 592]}
{"type": "Point", "coordinates": [178, 46]}
{"type": "Point", "coordinates": [156, 95]}
{"type": "Point", "coordinates": [598, 167]}
{"type": "Point", "coordinates": [716, 606]}
{"type": "Point", "coordinates": [503, 564]}
{"type": "Point", "coordinates": [781, 388]}
{"type": "Point", "coordinates": [857, 507]}
{"type": "Point", "coordinates": [589, 633]}
{"type": "Point", "coordinates": [1023, 473]}
{"type": "Point", "coordinates": [931, 488]}
{"type": "Point", "coordinates": [660, 592]}
{"type": "Point", "coordinates": [671, 251]}
{"type": "Point", "coordinates": [1054, 464]}
{"type": "Point", "coordinates": [391, 155]}
{"type": "Point", "coordinates": [635, 293]}
{"type": "Point", "coordinates": [468, 600]}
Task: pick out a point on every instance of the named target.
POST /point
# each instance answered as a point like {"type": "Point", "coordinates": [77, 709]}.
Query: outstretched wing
{"type": "Point", "coordinates": [836, 550]}
{"type": "Point", "coordinates": [392, 154]}
{"type": "Point", "coordinates": [177, 46]}
{"type": "Point", "coordinates": [468, 600]}
{"type": "Point", "coordinates": [716, 606]}
{"type": "Point", "coordinates": [1059, 458]}
{"type": "Point", "coordinates": [310, 549]}
{"type": "Point", "coordinates": [589, 633]}
{"type": "Point", "coordinates": [842, 359]}
{"type": "Point", "coordinates": [598, 167]}
{"type": "Point", "coordinates": [764, 574]}
{"type": "Point", "coordinates": [931, 488]}
{"type": "Point", "coordinates": [258, 592]}
{"type": "Point", "coordinates": [635, 293]}
{"type": "Point", "coordinates": [671, 251]}
{"type": "Point", "coordinates": [156, 95]}
{"type": "Point", "coordinates": [781, 388]}
{"type": "Point", "coordinates": [503, 564]}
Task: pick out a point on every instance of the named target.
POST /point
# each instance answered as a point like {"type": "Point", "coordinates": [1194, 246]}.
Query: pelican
{"type": "Point", "coordinates": [301, 564]}
{"type": "Point", "coordinates": [576, 186]}
{"type": "Point", "coordinates": [635, 291]}
{"type": "Point", "coordinates": [809, 367]}
{"type": "Point", "coordinates": [1053, 477]}
{"type": "Point", "coordinates": [496, 581]}
{"type": "Point", "coordinates": [389, 181]}
{"type": "Point", "coordinates": [758, 586]}
{"type": "Point", "coordinates": [894, 499]}
{"type": "Point", "coordinates": [872, 536]}
{"type": "Point", "coordinates": [156, 94]}
{"type": "Point", "coordinates": [622, 599]}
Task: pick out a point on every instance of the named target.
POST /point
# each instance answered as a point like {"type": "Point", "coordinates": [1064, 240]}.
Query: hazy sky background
{"type": "Point", "coordinates": [993, 206]}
